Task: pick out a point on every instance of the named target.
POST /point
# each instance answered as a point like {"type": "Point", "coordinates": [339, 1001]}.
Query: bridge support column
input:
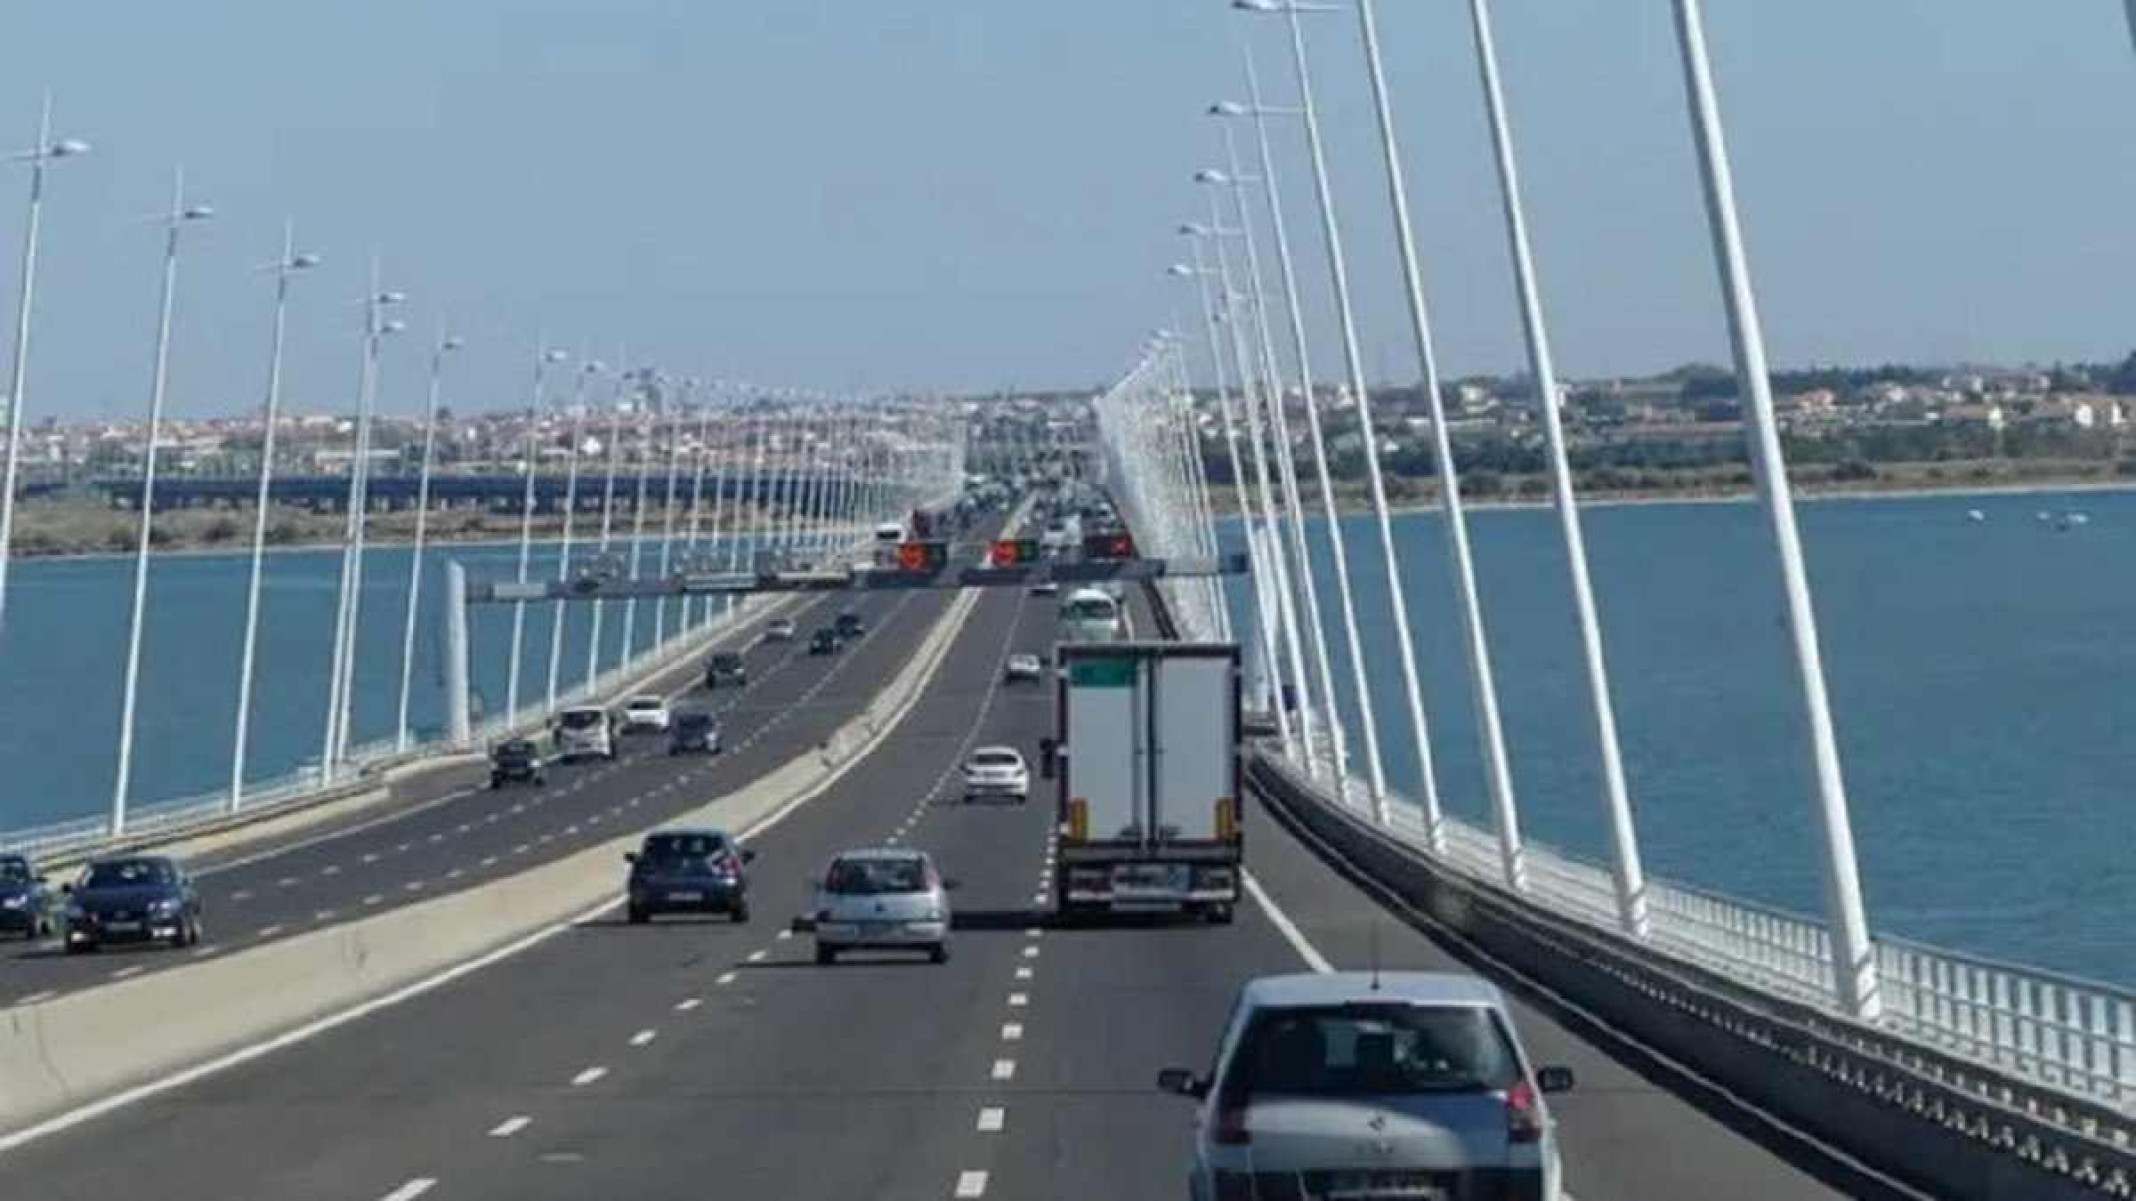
{"type": "Point", "coordinates": [458, 727]}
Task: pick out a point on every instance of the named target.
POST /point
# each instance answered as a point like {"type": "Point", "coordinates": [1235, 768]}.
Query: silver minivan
{"type": "Point", "coordinates": [888, 898]}
{"type": "Point", "coordinates": [1368, 1085]}
{"type": "Point", "coordinates": [585, 731]}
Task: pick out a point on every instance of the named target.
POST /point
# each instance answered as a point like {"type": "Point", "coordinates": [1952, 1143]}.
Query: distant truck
{"type": "Point", "coordinates": [1145, 754]}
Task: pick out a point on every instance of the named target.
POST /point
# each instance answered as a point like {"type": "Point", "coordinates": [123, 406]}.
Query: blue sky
{"type": "Point", "coordinates": [981, 193]}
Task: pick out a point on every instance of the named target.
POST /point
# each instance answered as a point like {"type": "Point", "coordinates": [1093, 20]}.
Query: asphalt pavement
{"type": "Point", "coordinates": [696, 1057]}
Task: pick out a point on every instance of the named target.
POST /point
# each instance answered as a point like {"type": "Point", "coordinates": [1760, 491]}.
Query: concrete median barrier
{"type": "Point", "coordinates": [89, 1048]}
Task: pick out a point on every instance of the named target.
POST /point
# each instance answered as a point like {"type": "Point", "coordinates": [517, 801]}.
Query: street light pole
{"type": "Point", "coordinates": [445, 345]}
{"type": "Point", "coordinates": [563, 556]}
{"type": "Point", "coordinates": [667, 509]}
{"type": "Point", "coordinates": [180, 214]}
{"type": "Point", "coordinates": [543, 357]}
{"type": "Point", "coordinates": [608, 508]}
{"type": "Point", "coordinates": [637, 519]}
{"type": "Point", "coordinates": [290, 263]}
{"type": "Point", "coordinates": [18, 378]}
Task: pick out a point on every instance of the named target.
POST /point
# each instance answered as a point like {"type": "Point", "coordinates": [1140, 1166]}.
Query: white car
{"type": "Point", "coordinates": [645, 715]}
{"type": "Point", "coordinates": [779, 629]}
{"type": "Point", "coordinates": [997, 771]}
{"type": "Point", "coordinates": [1021, 668]}
{"type": "Point", "coordinates": [1407, 1084]}
{"type": "Point", "coordinates": [586, 730]}
{"type": "Point", "coordinates": [889, 898]}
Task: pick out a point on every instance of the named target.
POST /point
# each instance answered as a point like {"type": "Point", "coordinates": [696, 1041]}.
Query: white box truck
{"type": "Point", "coordinates": [1146, 757]}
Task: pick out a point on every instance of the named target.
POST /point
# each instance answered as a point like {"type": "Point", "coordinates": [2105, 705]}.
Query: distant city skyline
{"type": "Point", "coordinates": [850, 197]}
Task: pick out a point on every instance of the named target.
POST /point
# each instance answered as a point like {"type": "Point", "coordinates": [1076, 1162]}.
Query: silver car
{"type": "Point", "coordinates": [1363, 1085]}
{"type": "Point", "coordinates": [889, 898]}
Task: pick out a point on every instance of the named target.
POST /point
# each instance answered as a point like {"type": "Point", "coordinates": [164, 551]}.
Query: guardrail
{"type": "Point", "coordinates": [1982, 1080]}
{"type": "Point", "coordinates": [160, 821]}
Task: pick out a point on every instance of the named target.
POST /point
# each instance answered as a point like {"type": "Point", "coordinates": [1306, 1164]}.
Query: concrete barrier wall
{"type": "Point", "coordinates": [1905, 1111]}
{"type": "Point", "coordinates": [63, 1053]}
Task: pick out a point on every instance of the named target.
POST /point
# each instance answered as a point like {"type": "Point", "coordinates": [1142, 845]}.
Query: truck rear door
{"type": "Point", "coordinates": [1193, 740]}
{"type": "Point", "coordinates": [1105, 757]}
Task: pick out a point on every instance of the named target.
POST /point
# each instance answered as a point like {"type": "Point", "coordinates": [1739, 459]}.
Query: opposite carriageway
{"type": "Point", "coordinates": [609, 1060]}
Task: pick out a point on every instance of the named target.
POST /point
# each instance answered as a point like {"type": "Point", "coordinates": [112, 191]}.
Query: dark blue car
{"type": "Point", "coordinates": [138, 898]}
{"type": "Point", "coordinates": [688, 871]}
{"type": "Point", "coordinates": [25, 906]}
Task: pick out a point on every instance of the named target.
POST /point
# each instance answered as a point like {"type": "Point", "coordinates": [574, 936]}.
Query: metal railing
{"type": "Point", "coordinates": [158, 820]}
{"type": "Point", "coordinates": [2062, 1031]}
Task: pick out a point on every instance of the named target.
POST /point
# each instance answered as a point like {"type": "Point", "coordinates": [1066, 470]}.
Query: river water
{"type": "Point", "coordinates": [1983, 678]}
{"type": "Point", "coordinates": [62, 653]}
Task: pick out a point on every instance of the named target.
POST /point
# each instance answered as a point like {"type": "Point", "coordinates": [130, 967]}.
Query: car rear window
{"type": "Point", "coordinates": [124, 872]}
{"type": "Point", "coordinates": [645, 704]}
{"type": "Point", "coordinates": [1371, 1049]}
{"type": "Point", "coordinates": [868, 877]}
{"type": "Point", "coordinates": [726, 659]}
{"type": "Point", "coordinates": [693, 721]}
{"type": "Point", "coordinates": [668, 847]}
{"type": "Point", "coordinates": [996, 758]}
{"type": "Point", "coordinates": [580, 719]}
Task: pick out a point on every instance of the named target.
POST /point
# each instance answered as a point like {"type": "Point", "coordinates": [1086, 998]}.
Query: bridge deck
{"type": "Point", "coordinates": [766, 1075]}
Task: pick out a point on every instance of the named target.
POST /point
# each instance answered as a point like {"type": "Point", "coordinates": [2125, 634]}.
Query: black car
{"type": "Point", "coordinates": [824, 642]}
{"type": "Point", "coordinates": [693, 730]}
{"type": "Point", "coordinates": [849, 625]}
{"type": "Point", "coordinates": [138, 898]}
{"type": "Point", "coordinates": [688, 871]}
{"type": "Point", "coordinates": [516, 761]}
{"type": "Point", "coordinates": [726, 667]}
{"type": "Point", "coordinates": [25, 906]}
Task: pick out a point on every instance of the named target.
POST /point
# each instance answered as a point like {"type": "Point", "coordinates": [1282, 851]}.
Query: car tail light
{"type": "Point", "coordinates": [1230, 1128]}
{"type": "Point", "coordinates": [1524, 1115]}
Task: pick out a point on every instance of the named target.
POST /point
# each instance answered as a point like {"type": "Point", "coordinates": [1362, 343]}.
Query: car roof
{"type": "Point", "coordinates": [1336, 988]}
{"type": "Point", "coordinates": [646, 699]}
{"type": "Point", "coordinates": [693, 714]}
{"type": "Point", "coordinates": [881, 853]}
{"type": "Point", "coordinates": [688, 832]}
{"type": "Point", "coordinates": [164, 859]}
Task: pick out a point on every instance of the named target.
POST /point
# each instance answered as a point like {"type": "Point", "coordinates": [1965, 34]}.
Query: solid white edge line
{"type": "Point", "coordinates": [1285, 926]}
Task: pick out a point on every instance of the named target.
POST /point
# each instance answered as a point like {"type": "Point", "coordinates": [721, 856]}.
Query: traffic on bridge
{"type": "Point", "coordinates": [904, 793]}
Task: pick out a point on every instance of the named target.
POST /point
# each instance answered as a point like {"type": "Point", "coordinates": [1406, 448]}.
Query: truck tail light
{"type": "Point", "coordinates": [1524, 1117]}
{"type": "Point", "coordinates": [1227, 818]}
{"type": "Point", "coordinates": [1079, 819]}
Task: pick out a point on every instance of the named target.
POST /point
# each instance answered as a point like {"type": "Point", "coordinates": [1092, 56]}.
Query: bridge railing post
{"type": "Point", "coordinates": [458, 727]}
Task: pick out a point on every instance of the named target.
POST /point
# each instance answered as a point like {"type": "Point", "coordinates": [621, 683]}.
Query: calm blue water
{"type": "Point", "coordinates": [1981, 677]}
{"type": "Point", "coordinates": [62, 660]}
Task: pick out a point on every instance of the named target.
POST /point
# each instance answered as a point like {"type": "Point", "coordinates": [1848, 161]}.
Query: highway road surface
{"type": "Point", "coordinates": [699, 1058]}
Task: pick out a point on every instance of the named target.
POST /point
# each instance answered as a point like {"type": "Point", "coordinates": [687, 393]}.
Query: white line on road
{"type": "Point", "coordinates": [971, 1184]}
{"type": "Point", "coordinates": [124, 972]}
{"type": "Point", "coordinates": [242, 894]}
{"type": "Point", "coordinates": [643, 1037]}
{"type": "Point", "coordinates": [331, 869]}
{"type": "Point", "coordinates": [373, 899]}
{"type": "Point", "coordinates": [269, 931]}
{"type": "Point", "coordinates": [1034, 932]}
{"type": "Point", "coordinates": [783, 935]}
{"type": "Point", "coordinates": [1023, 973]}
{"type": "Point", "coordinates": [1017, 1000]}
{"type": "Point", "coordinates": [1284, 926]}
{"type": "Point", "coordinates": [40, 995]}
{"type": "Point", "coordinates": [411, 1190]}
{"type": "Point", "coordinates": [687, 1004]}
{"type": "Point", "coordinates": [757, 956]}
{"type": "Point", "coordinates": [992, 1118]}
{"type": "Point", "coordinates": [588, 1076]}
{"type": "Point", "coordinates": [1030, 952]}
{"type": "Point", "coordinates": [213, 948]}
{"type": "Point", "coordinates": [725, 978]}
{"type": "Point", "coordinates": [1011, 1031]}
{"type": "Point", "coordinates": [1004, 1069]}
{"type": "Point", "coordinates": [510, 1126]}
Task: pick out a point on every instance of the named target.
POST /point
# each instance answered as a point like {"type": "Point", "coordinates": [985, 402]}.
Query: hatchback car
{"type": "Point", "coordinates": [1023, 668]}
{"type": "Point", "coordinates": [849, 625]}
{"type": "Point", "coordinates": [645, 715]}
{"type": "Point", "coordinates": [779, 629]}
{"type": "Point", "coordinates": [997, 771]}
{"type": "Point", "coordinates": [688, 871]}
{"type": "Point", "coordinates": [726, 667]}
{"type": "Point", "coordinates": [138, 898]}
{"type": "Point", "coordinates": [888, 898]}
{"type": "Point", "coordinates": [694, 732]}
{"type": "Point", "coordinates": [587, 730]}
{"type": "Point", "coordinates": [516, 761]}
{"type": "Point", "coordinates": [824, 642]}
{"type": "Point", "coordinates": [25, 905]}
{"type": "Point", "coordinates": [1408, 1084]}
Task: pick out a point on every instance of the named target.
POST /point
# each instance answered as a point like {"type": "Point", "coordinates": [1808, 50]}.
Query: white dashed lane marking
{"type": "Point", "coordinates": [124, 972]}
{"type": "Point", "coordinates": [643, 1037]}
{"type": "Point", "coordinates": [416, 1188]}
{"type": "Point", "coordinates": [687, 1004]}
{"type": "Point", "coordinates": [971, 1184]}
{"type": "Point", "coordinates": [992, 1119]}
{"type": "Point", "coordinates": [588, 1076]}
{"type": "Point", "coordinates": [1004, 1069]}
{"type": "Point", "coordinates": [510, 1126]}
{"type": "Point", "coordinates": [1011, 1031]}
{"type": "Point", "coordinates": [725, 978]}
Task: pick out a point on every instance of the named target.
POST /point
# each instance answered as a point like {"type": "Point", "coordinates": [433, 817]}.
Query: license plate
{"type": "Point", "coordinates": [1151, 878]}
{"type": "Point", "coordinates": [1407, 1186]}
{"type": "Point", "coordinates": [685, 896]}
{"type": "Point", "coordinates": [123, 927]}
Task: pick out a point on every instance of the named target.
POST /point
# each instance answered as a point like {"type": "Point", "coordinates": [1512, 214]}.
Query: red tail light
{"type": "Point", "coordinates": [1231, 1127]}
{"type": "Point", "coordinates": [1524, 1116]}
